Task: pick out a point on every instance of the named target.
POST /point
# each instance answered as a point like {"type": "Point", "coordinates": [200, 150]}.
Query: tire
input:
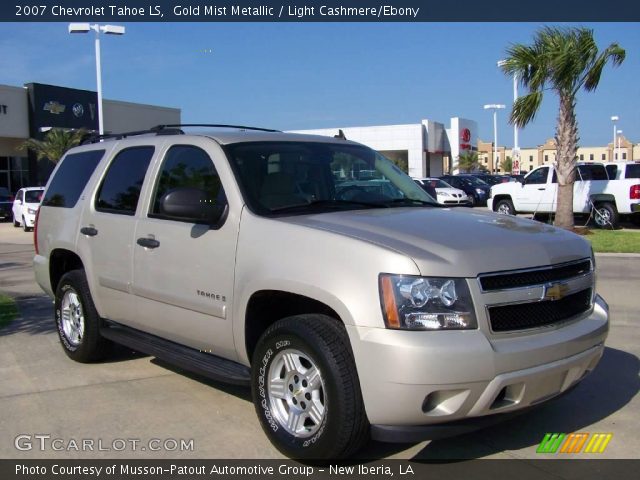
{"type": "Point", "coordinates": [15, 222]}
{"type": "Point", "coordinates": [473, 199]}
{"type": "Point", "coordinates": [505, 207]}
{"type": "Point", "coordinates": [605, 215]}
{"type": "Point", "coordinates": [24, 225]}
{"type": "Point", "coordinates": [307, 359]}
{"type": "Point", "coordinates": [77, 320]}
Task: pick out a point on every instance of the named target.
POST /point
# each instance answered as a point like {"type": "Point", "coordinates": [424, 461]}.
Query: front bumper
{"type": "Point", "coordinates": [411, 380]}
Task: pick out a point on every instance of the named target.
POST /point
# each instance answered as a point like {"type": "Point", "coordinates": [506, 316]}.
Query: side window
{"type": "Point", "coordinates": [120, 189]}
{"type": "Point", "coordinates": [612, 170]}
{"type": "Point", "coordinates": [20, 195]}
{"type": "Point", "coordinates": [537, 177]}
{"type": "Point", "coordinates": [71, 178]}
{"type": "Point", "coordinates": [191, 167]}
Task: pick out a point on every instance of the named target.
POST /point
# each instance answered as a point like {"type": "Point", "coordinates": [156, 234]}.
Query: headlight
{"type": "Point", "coordinates": [444, 194]}
{"type": "Point", "coordinates": [32, 211]}
{"type": "Point", "coordinates": [480, 191]}
{"type": "Point", "coordinates": [426, 303]}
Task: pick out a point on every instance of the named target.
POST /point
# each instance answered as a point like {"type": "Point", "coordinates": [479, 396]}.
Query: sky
{"type": "Point", "coordinates": [316, 75]}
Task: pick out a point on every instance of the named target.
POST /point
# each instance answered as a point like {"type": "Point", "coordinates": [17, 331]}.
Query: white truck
{"type": "Point", "coordinates": [593, 194]}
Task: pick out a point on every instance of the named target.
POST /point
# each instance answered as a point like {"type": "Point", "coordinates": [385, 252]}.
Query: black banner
{"type": "Point", "coordinates": [574, 469]}
{"type": "Point", "coordinates": [316, 11]}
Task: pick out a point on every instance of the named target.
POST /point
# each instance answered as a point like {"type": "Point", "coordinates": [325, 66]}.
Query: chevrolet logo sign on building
{"type": "Point", "coordinates": [54, 107]}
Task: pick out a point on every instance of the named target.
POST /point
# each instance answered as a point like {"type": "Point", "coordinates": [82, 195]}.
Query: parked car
{"type": "Point", "coordinates": [622, 170]}
{"type": "Point", "coordinates": [25, 206]}
{"type": "Point", "coordinates": [476, 189]}
{"type": "Point", "coordinates": [445, 193]}
{"type": "Point", "coordinates": [490, 179]}
{"type": "Point", "coordinates": [356, 313]}
{"type": "Point", "coordinates": [6, 202]}
{"type": "Point", "coordinates": [593, 194]}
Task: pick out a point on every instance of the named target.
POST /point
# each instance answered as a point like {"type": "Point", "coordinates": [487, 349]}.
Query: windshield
{"type": "Point", "coordinates": [476, 182]}
{"type": "Point", "coordinates": [305, 177]}
{"type": "Point", "coordinates": [33, 196]}
{"type": "Point", "coordinates": [437, 183]}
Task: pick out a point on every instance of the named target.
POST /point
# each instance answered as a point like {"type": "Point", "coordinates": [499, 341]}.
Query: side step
{"type": "Point", "coordinates": [205, 364]}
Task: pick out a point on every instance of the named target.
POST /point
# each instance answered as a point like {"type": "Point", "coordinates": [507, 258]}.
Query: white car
{"type": "Point", "coordinates": [25, 207]}
{"type": "Point", "coordinates": [447, 195]}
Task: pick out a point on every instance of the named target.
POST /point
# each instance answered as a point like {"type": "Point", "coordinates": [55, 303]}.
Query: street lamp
{"type": "Point", "coordinates": [516, 147]}
{"type": "Point", "coordinates": [614, 119]}
{"type": "Point", "coordinates": [618, 152]}
{"type": "Point", "coordinates": [495, 107]}
{"type": "Point", "coordinates": [108, 30]}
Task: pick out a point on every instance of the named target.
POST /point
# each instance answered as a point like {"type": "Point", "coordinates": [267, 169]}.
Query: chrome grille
{"type": "Point", "coordinates": [539, 276]}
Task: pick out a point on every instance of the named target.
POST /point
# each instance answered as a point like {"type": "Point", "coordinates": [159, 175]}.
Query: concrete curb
{"type": "Point", "coordinates": [618, 255]}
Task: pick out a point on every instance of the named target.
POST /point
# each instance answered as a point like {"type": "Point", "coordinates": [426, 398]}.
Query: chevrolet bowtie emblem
{"type": "Point", "coordinates": [555, 291]}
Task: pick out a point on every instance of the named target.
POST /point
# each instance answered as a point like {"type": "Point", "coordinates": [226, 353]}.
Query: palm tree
{"type": "Point", "coordinates": [55, 144]}
{"type": "Point", "coordinates": [468, 161]}
{"type": "Point", "coordinates": [507, 164]}
{"type": "Point", "coordinates": [564, 60]}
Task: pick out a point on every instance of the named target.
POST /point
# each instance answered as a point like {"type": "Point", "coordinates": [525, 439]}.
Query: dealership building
{"type": "Point", "coordinates": [30, 111]}
{"type": "Point", "coordinates": [422, 149]}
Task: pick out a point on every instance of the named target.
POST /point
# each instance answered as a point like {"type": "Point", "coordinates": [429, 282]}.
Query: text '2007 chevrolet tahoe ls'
{"type": "Point", "coordinates": [351, 307]}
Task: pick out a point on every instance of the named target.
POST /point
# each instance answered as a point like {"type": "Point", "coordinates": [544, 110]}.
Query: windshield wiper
{"type": "Point", "coordinates": [328, 203]}
{"type": "Point", "coordinates": [402, 202]}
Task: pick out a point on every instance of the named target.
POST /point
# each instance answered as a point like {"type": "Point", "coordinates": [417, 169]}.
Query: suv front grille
{"type": "Point", "coordinates": [522, 316]}
{"type": "Point", "coordinates": [528, 278]}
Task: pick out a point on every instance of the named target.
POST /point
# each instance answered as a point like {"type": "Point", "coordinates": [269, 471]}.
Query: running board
{"type": "Point", "coordinates": [205, 364]}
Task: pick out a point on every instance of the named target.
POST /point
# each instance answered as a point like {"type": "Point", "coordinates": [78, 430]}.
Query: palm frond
{"type": "Point", "coordinates": [525, 108]}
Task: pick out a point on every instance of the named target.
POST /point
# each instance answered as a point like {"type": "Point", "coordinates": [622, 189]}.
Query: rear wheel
{"type": "Point", "coordinates": [605, 215]}
{"type": "Point", "coordinates": [77, 320]}
{"type": "Point", "coordinates": [306, 390]}
{"type": "Point", "coordinates": [505, 207]}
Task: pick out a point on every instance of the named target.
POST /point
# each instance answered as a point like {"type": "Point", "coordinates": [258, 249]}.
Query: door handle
{"type": "Point", "coordinates": [89, 231]}
{"type": "Point", "coordinates": [544, 188]}
{"type": "Point", "coordinates": [147, 242]}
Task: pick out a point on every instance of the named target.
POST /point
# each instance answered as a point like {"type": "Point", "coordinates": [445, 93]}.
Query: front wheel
{"type": "Point", "coordinates": [605, 215]}
{"type": "Point", "coordinates": [306, 389]}
{"type": "Point", "coordinates": [15, 222]}
{"type": "Point", "coordinates": [24, 225]}
{"type": "Point", "coordinates": [505, 207]}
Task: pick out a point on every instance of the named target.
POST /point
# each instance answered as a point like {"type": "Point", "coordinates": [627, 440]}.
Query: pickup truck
{"type": "Point", "coordinates": [593, 194]}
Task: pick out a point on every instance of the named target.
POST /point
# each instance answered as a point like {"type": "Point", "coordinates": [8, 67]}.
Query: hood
{"type": "Point", "coordinates": [450, 190]}
{"type": "Point", "coordinates": [455, 242]}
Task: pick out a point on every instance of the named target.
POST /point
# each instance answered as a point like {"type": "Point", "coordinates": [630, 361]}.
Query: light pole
{"type": "Point", "coordinates": [516, 147]}
{"type": "Point", "coordinates": [108, 30]}
{"type": "Point", "coordinates": [619, 157]}
{"type": "Point", "coordinates": [495, 107]}
{"type": "Point", "coordinates": [614, 119]}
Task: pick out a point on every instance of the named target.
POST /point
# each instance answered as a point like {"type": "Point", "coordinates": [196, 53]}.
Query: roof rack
{"type": "Point", "coordinates": [216, 125]}
{"type": "Point", "coordinates": [158, 130]}
{"type": "Point", "coordinates": [173, 129]}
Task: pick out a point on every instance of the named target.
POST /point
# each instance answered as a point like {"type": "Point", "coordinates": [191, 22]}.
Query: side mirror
{"type": "Point", "coordinates": [191, 205]}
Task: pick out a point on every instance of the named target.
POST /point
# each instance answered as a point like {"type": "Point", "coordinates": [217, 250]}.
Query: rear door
{"type": "Point", "coordinates": [108, 227]}
{"type": "Point", "coordinates": [184, 271]}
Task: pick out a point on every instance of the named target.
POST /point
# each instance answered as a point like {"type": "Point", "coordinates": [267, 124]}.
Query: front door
{"type": "Point", "coordinates": [184, 271]}
{"type": "Point", "coordinates": [537, 193]}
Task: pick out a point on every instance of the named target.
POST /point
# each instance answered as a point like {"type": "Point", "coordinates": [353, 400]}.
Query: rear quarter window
{"type": "Point", "coordinates": [71, 178]}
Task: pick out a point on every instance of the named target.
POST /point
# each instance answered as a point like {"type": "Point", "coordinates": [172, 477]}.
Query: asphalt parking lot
{"type": "Point", "coordinates": [134, 397]}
